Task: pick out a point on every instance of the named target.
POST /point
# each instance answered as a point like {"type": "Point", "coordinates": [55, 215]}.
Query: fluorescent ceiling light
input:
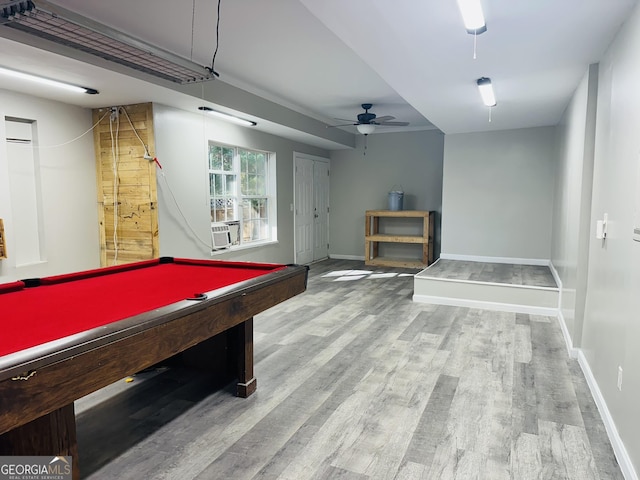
{"type": "Point", "coordinates": [228, 117]}
{"type": "Point", "coordinates": [46, 81]}
{"type": "Point", "coordinates": [366, 128]}
{"type": "Point", "coordinates": [486, 91]}
{"type": "Point", "coordinates": [472, 16]}
{"type": "Point", "coordinates": [56, 24]}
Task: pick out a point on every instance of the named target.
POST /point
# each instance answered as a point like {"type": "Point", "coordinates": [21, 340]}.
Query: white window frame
{"type": "Point", "coordinates": [237, 225]}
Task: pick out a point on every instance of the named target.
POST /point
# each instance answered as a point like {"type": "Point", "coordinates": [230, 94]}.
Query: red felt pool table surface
{"type": "Point", "coordinates": [68, 304]}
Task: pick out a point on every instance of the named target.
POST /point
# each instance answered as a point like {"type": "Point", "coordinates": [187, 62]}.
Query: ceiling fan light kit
{"type": "Point", "coordinates": [367, 121]}
{"type": "Point", "coordinates": [366, 128]}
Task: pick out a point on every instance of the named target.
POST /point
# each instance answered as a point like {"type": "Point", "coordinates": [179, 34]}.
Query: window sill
{"type": "Point", "coordinates": [235, 248]}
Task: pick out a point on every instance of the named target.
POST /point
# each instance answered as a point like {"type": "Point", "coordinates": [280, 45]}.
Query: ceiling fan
{"type": "Point", "coordinates": [367, 122]}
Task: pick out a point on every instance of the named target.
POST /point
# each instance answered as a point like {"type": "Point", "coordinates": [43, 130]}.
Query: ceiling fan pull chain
{"type": "Point", "coordinates": [490, 108]}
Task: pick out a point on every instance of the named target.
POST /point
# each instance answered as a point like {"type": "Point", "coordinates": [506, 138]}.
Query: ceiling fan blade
{"type": "Point", "coordinates": [383, 119]}
{"type": "Point", "coordinates": [342, 125]}
{"type": "Point", "coordinates": [394, 124]}
{"type": "Point", "coordinates": [345, 120]}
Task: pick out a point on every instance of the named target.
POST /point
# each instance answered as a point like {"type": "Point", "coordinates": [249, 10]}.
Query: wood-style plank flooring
{"type": "Point", "coordinates": [356, 381]}
{"type": "Point", "coordinates": [513, 274]}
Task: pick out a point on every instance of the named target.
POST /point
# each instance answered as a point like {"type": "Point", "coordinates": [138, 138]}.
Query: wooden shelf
{"type": "Point", "coordinates": [373, 238]}
{"type": "Point", "coordinates": [396, 262]}
{"type": "Point", "coordinates": [398, 213]}
{"type": "Point", "coordinates": [3, 243]}
{"type": "Point", "coordinates": [385, 237]}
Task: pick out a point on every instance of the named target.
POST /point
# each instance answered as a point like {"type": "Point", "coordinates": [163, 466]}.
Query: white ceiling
{"type": "Point", "coordinates": [412, 59]}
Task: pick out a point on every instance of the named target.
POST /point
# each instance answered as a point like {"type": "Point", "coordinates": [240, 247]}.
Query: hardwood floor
{"type": "Point", "coordinates": [356, 381]}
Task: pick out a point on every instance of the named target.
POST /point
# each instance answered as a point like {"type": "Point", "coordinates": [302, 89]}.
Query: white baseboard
{"type": "Point", "coordinates": [573, 352]}
{"type": "Point", "coordinates": [478, 258]}
{"type": "Point", "coordinates": [556, 275]}
{"type": "Point", "coordinates": [626, 466]}
{"type": "Point", "coordinates": [502, 307]}
{"type": "Point", "coordinates": [346, 257]}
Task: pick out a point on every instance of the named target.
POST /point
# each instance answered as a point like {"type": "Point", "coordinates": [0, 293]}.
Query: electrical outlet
{"type": "Point", "coordinates": [619, 378]}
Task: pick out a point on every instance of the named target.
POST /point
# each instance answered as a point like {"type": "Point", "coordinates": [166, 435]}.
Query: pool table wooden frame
{"type": "Point", "coordinates": [37, 390]}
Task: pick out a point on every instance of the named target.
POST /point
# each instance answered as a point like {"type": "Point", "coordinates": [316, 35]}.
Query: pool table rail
{"type": "Point", "coordinates": [47, 378]}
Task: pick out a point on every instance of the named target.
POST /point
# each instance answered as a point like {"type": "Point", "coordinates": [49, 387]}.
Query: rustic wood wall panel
{"type": "Point", "coordinates": [3, 243]}
{"type": "Point", "coordinates": [132, 182]}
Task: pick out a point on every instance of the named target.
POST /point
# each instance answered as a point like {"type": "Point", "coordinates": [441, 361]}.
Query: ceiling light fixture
{"type": "Point", "coordinates": [366, 128]}
{"type": "Point", "coordinates": [56, 24]}
{"type": "Point", "coordinates": [472, 16]}
{"type": "Point", "coordinates": [46, 81]}
{"type": "Point", "coordinates": [486, 91]}
{"type": "Point", "coordinates": [228, 117]}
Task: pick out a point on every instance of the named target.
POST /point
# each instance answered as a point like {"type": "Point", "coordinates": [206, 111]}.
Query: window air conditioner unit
{"type": "Point", "coordinates": [234, 232]}
{"type": "Point", "coordinates": [220, 236]}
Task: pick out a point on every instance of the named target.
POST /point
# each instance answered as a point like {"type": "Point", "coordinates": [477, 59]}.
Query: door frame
{"type": "Point", "coordinates": [314, 158]}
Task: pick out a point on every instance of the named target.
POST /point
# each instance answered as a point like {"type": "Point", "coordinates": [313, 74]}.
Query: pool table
{"type": "Point", "coordinates": [65, 336]}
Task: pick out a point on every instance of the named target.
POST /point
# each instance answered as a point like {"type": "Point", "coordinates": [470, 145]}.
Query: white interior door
{"type": "Point", "coordinates": [311, 202]}
{"type": "Point", "coordinates": [303, 204]}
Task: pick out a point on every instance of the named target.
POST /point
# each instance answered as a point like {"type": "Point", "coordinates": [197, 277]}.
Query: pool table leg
{"type": "Point", "coordinates": [53, 434]}
{"type": "Point", "coordinates": [246, 381]}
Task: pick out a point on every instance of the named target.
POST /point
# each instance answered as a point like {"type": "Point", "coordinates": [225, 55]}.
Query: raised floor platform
{"type": "Point", "coordinates": [492, 286]}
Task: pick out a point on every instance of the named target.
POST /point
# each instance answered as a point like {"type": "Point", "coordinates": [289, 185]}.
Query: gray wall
{"type": "Point", "coordinates": [497, 194]}
{"type": "Point", "coordinates": [361, 180]}
{"type": "Point", "coordinates": [572, 202]}
{"type": "Point", "coordinates": [67, 184]}
{"type": "Point", "coordinates": [611, 331]}
{"type": "Point", "coordinates": [181, 148]}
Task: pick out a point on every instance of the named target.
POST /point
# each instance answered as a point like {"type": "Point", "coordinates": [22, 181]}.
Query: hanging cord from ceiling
{"type": "Point", "coordinates": [115, 148]}
{"type": "Point", "coordinates": [41, 147]}
{"type": "Point", "coordinates": [135, 132]}
{"type": "Point", "coordinates": [215, 53]}
{"type": "Point", "coordinates": [148, 156]}
{"type": "Point", "coordinates": [175, 201]}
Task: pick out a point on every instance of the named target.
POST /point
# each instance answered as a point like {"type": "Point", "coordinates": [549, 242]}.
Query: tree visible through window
{"type": "Point", "coordinates": [239, 189]}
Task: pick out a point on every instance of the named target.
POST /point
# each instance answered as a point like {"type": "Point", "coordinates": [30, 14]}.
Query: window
{"type": "Point", "coordinates": [242, 192]}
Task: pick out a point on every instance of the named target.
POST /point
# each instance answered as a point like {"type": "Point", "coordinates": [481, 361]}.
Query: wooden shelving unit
{"type": "Point", "coordinates": [3, 243]}
{"type": "Point", "coordinates": [373, 237]}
